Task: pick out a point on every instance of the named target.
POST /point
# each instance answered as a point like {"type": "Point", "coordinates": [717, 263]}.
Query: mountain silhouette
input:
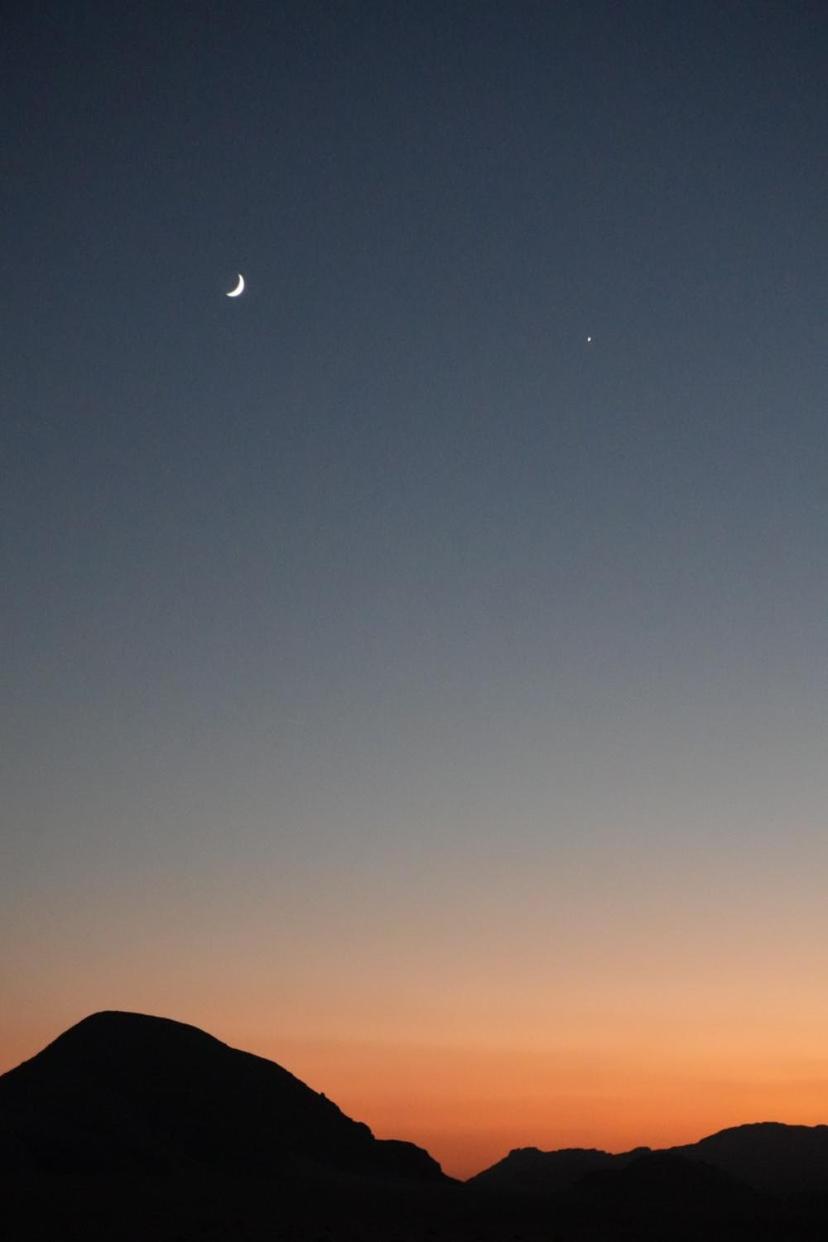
{"type": "Point", "coordinates": [766, 1156]}
{"type": "Point", "coordinates": [663, 1195]}
{"type": "Point", "coordinates": [124, 1092]}
{"type": "Point", "coordinates": [532, 1171]}
{"type": "Point", "coordinates": [140, 1127]}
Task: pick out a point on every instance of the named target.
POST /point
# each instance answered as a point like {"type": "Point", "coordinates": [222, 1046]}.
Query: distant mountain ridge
{"type": "Point", "coordinates": [125, 1092]}
{"type": "Point", "coordinates": [530, 1170]}
{"type": "Point", "coordinates": [768, 1156]}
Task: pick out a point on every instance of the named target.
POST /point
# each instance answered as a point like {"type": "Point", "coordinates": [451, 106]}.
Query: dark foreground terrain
{"type": "Point", "coordinates": [129, 1127]}
{"type": "Point", "coordinates": [187, 1208]}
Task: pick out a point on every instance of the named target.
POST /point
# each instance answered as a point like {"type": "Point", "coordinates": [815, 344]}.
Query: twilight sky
{"type": "Point", "coordinates": [396, 683]}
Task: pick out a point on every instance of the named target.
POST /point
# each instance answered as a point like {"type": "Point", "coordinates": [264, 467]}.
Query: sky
{"type": "Point", "coordinates": [413, 670]}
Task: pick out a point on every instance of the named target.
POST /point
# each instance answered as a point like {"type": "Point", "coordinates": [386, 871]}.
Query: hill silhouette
{"type": "Point", "coordinates": [132, 1127]}
{"type": "Point", "coordinates": [767, 1156]}
{"type": "Point", "coordinates": [129, 1093]}
{"type": "Point", "coordinates": [532, 1171]}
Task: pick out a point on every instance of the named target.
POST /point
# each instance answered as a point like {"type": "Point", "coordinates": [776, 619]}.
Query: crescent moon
{"type": "Point", "coordinates": [239, 289]}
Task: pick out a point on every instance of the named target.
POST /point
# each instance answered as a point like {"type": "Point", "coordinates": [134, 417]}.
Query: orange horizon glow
{"type": "Point", "coordinates": [599, 999]}
{"type": "Point", "coordinates": [414, 670]}
{"type": "Point", "coordinates": [469, 1106]}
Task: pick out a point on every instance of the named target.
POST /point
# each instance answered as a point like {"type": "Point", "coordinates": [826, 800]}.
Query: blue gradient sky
{"type": "Point", "coordinates": [382, 660]}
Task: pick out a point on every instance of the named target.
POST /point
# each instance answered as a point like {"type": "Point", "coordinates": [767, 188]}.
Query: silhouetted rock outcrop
{"type": "Point", "coordinates": [127, 1093]}
{"type": "Point", "coordinates": [533, 1171]}
{"type": "Point", "coordinates": [157, 1130]}
{"type": "Point", "coordinates": [767, 1155]}
{"type": "Point", "coordinates": [663, 1195]}
{"type": "Point", "coordinates": [662, 1177]}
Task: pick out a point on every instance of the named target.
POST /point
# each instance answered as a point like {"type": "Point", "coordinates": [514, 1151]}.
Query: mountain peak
{"type": "Point", "coordinates": [132, 1091]}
